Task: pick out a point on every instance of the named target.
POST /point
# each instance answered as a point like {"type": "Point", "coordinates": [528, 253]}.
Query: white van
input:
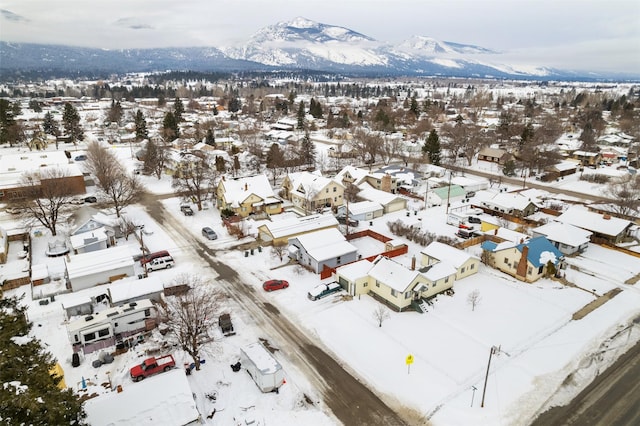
{"type": "Point", "coordinates": [164, 262]}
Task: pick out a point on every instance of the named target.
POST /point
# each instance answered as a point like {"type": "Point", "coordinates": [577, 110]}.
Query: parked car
{"type": "Point", "coordinates": [209, 233]}
{"type": "Point", "coordinates": [90, 199]}
{"type": "Point", "coordinates": [187, 210]}
{"type": "Point", "coordinates": [155, 255]}
{"type": "Point", "coordinates": [165, 262]}
{"type": "Point", "coordinates": [81, 157]}
{"type": "Point", "coordinates": [274, 285]}
{"type": "Point", "coordinates": [323, 290]}
{"type": "Point", "coordinates": [151, 366]}
{"type": "Point", "coordinates": [351, 222]}
{"type": "Point", "coordinates": [474, 219]}
{"type": "Point", "coordinates": [226, 326]}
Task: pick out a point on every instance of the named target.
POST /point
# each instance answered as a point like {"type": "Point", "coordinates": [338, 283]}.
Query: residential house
{"type": "Point", "coordinates": [587, 158]}
{"type": "Point", "coordinates": [380, 180]}
{"type": "Point", "coordinates": [247, 196]}
{"type": "Point", "coordinates": [494, 155]}
{"type": "Point", "coordinates": [280, 231]}
{"type": "Point", "coordinates": [101, 221]}
{"type": "Point", "coordinates": [464, 263]}
{"type": "Point", "coordinates": [604, 226]}
{"type": "Point", "coordinates": [311, 192]}
{"type": "Point", "coordinates": [389, 201]}
{"type": "Point", "coordinates": [320, 249]}
{"type": "Point", "coordinates": [565, 237]}
{"type": "Point", "coordinates": [399, 286]}
{"type": "Point", "coordinates": [401, 177]}
{"type": "Point", "coordinates": [440, 196]}
{"type": "Point", "coordinates": [527, 261]}
{"type": "Point", "coordinates": [511, 203]}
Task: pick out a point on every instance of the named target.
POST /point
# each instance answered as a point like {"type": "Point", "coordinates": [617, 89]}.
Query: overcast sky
{"type": "Point", "coordinates": [598, 35]}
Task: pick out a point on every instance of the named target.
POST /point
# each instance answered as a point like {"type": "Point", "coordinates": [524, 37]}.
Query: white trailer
{"type": "Point", "coordinates": [263, 368]}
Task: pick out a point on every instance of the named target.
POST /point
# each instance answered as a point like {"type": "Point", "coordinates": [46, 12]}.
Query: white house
{"type": "Point", "coordinates": [99, 267]}
{"type": "Point", "coordinates": [604, 226]}
{"type": "Point", "coordinates": [362, 210]}
{"type": "Point", "coordinates": [437, 252]}
{"type": "Point", "coordinates": [565, 237]}
{"type": "Point", "coordinates": [390, 202]}
{"type": "Point", "coordinates": [89, 241]}
{"type": "Point", "coordinates": [322, 248]}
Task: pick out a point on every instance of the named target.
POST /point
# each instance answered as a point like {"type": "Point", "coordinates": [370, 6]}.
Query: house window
{"type": "Point", "coordinates": [394, 293]}
{"type": "Point", "coordinates": [366, 284]}
{"type": "Point", "coordinates": [446, 280]}
{"type": "Point", "coordinates": [378, 284]}
{"type": "Point", "coordinates": [540, 269]}
{"type": "Point", "coordinates": [335, 189]}
{"type": "Point", "coordinates": [103, 332]}
{"type": "Point", "coordinates": [472, 266]}
{"type": "Point", "coordinates": [326, 190]}
{"type": "Point", "coordinates": [338, 260]}
{"type": "Point", "coordinates": [407, 295]}
{"type": "Point", "coordinates": [462, 270]}
{"type": "Point", "coordinates": [506, 260]}
{"type": "Point", "coordinates": [529, 270]}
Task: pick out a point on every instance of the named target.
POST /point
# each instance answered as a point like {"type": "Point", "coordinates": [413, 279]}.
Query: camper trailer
{"type": "Point", "coordinates": [262, 367]}
{"type": "Point", "coordinates": [105, 324]}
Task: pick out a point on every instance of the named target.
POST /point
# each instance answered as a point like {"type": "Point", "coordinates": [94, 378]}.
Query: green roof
{"type": "Point", "coordinates": [456, 191]}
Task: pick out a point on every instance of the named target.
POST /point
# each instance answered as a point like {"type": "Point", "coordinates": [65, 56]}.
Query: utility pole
{"type": "Point", "coordinates": [449, 191]}
{"type": "Point", "coordinates": [484, 389]}
{"type": "Point", "coordinates": [426, 195]}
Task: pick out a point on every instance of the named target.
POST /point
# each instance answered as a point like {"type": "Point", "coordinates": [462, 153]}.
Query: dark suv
{"type": "Point", "coordinates": [187, 210]}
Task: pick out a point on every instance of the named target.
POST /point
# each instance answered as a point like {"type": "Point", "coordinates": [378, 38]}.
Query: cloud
{"type": "Point", "coordinates": [132, 24]}
{"type": "Point", "coordinates": [10, 16]}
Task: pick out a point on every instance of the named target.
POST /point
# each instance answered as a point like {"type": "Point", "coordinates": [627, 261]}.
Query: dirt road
{"type": "Point", "coordinates": [350, 401]}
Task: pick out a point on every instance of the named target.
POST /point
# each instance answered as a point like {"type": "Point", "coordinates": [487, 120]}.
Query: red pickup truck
{"type": "Point", "coordinates": [151, 366]}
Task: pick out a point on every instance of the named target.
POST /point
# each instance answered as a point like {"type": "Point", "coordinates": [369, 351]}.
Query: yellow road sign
{"type": "Point", "coordinates": [409, 359]}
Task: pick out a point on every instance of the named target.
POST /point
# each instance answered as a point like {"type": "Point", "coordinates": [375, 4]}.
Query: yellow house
{"type": "Point", "coordinates": [437, 252]}
{"type": "Point", "coordinates": [310, 192]}
{"type": "Point", "coordinates": [247, 195]}
{"type": "Point", "coordinates": [395, 284]}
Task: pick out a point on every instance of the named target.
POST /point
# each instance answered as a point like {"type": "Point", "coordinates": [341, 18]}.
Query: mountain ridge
{"type": "Point", "coordinates": [289, 45]}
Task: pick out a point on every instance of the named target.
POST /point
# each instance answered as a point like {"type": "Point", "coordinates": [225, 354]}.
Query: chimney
{"type": "Point", "coordinates": [413, 263]}
{"type": "Point", "coordinates": [495, 231]}
{"type": "Point", "coordinates": [521, 272]}
{"type": "Point", "coordinates": [606, 216]}
{"type": "Point", "coordinates": [385, 185]}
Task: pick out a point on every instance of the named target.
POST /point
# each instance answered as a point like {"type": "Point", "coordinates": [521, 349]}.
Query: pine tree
{"type": "Point", "coordinates": [432, 147]}
{"type": "Point", "coordinates": [141, 126]}
{"type": "Point", "coordinates": [307, 150]}
{"type": "Point", "coordinates": [210, 139]}
{"type": "Point", "coordinates": [30, 394]}
{"type": "Point", "coordinates": [301, 115]}
{"type": "Point", "coordinates": [178, 110]}
{"type": "Point", "coordinates": [115, 112]}
{"type": "Point", "coordinates": [50, 125]}
{"type": "Point", "coordinates": [71, 123]}
{"type": "Point", "coordinates": [170, 126]}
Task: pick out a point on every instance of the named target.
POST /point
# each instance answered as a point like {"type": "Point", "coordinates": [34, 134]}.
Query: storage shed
{"type": "Point", "coordinates": [89, 269]}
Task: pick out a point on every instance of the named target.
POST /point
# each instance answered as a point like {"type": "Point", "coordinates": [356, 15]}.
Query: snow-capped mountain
{"type": "Point", "coordinates": [297, 44]}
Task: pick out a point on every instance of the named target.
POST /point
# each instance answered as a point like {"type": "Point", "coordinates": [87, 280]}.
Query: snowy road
{"type": "Point", "coordinates": [350, 401]}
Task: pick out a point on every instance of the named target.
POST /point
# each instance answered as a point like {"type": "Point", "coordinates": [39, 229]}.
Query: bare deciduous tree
{"type": "Point", "coordinates": [473, 299]}
{"type": "Point", "coordinates": [625, 194]}
{"type": "Point", "coordinates": [46, 195]}
{"type": "Point", "coordinates": [120, 188]}
{"type": "Point", "coordinates": [278, 250]}
{"type": "Point", "coordinates": [194, 180]}
{"type": "Point", "coordinates": [189, 318]}
{"type": "Point", "coordinates": [380, 314]}
{"type": "Point", "coordinates": [155, 158]}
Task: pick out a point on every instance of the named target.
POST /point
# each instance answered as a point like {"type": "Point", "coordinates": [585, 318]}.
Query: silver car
{"type": "Point", "coordinates": [209, 233]}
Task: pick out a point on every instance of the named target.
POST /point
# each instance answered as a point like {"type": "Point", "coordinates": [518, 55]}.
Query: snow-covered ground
{"type": "Point", "coordinates": [537, 344]}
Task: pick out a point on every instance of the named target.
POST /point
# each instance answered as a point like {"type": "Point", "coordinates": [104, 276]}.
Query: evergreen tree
{"type": "Point", "coordinates": [141, 126]}
{"type": "Point", "coordinates": [432, 147]}
{"type": "Point", "coordinates": [71, 123]}
{"type": "Point", "coordinates": [527, 134]}
{"type": "Point", "coordinates": [220, 164]}
{"type": "Point", "coordinates": [301, 115]}
{"type": "Point", "coordinates": [30, 394]}
{"type": "Point", "coordinates": [509, 168]}
{"type": "Point", "coordinates": [210, 139]}
{"type": "Point", "coordinates": [170, 127]}
{"type": "Point", "coordinates": [178, 110]}
{"type": "Point", "coordinates": [35, 105]}
{"type": "Point", "coordinates": [307, 151]}
{"type": "Point", "coordinates": [7, 120]}
{"type": "Point", "coordinates": [15, 108]}
{"type": "Point", "coordinates": [50, 125]}
{"type": "Point", "coordinates": [235, 104]}
{"type": "Point", "coordinates": [414, 108]}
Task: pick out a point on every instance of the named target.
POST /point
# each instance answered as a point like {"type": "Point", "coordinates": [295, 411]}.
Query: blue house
{"type": "Point", "coordinates": [527, 261]}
